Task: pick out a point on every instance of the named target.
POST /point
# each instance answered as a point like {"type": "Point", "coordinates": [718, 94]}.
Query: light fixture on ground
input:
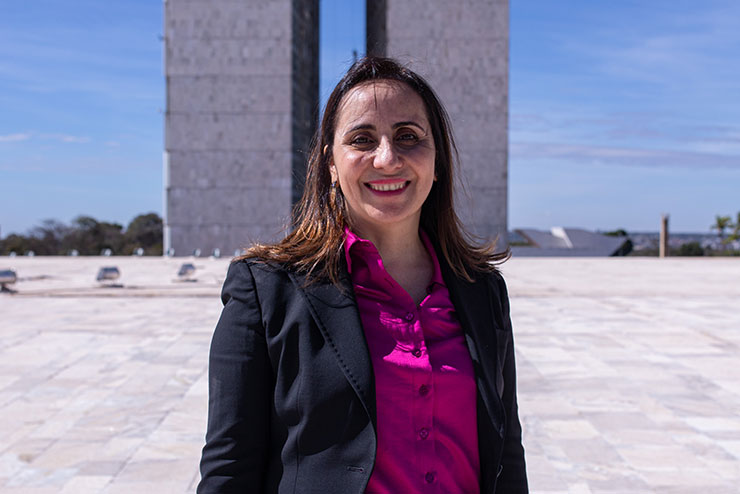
{"type": "Point", "coordinates": [186, 272]}
{"type": "Point", "coordinates": [107, 275]}
{"type": "Point", "coordinates": [7, 277]}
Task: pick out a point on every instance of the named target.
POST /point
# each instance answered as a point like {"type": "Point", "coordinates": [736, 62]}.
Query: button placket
{"type": "Point", "coordinates": [423, 408]}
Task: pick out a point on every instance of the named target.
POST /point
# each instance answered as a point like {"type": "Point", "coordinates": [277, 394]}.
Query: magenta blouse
{"type": "Point", "coordinates": [424, 383]}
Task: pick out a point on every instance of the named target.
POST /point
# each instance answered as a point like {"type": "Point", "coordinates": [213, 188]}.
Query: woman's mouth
{"type": "Point", "coordinates": [382, 186]}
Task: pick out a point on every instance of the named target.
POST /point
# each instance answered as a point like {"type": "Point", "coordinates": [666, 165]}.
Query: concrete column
{"type": "Point", "coordinates": [663, 249]}
{"type": "Point", "coordinates": [462, 49]}
{"type": "Point", "coordinates": [242, 92]}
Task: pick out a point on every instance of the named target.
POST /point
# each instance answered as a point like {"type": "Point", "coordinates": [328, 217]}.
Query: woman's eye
{"type": "Point", "coordinates": [408, 138]}
{"type": "Point", "coordinates": [360, 140]}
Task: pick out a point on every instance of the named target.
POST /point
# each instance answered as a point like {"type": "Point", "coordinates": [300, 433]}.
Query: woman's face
{"type": "Point", "coordinates": [383, 155]}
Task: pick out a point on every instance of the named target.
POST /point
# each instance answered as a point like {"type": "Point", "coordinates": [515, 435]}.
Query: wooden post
{"type": "Point", "coordinates": [663, 247]}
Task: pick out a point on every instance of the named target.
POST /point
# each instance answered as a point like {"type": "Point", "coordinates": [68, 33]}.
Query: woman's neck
{"type": "Point", "coordinates": [404, 256]}
{"type": "Point", "coordinates": [396, 244]}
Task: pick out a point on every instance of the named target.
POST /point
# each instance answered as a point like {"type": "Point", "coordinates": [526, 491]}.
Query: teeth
{"type": "Point", "coordinates": [387, 187]}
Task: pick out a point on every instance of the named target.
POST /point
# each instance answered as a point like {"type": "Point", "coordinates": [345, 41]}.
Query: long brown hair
{"type": "Point", "coordinates": [315, 245]}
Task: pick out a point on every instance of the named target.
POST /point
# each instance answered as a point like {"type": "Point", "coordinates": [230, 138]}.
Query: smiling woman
{"type": "Point", "coordinates": [371, 349]}
{"type": "Point", "coordinates": [383, 158]}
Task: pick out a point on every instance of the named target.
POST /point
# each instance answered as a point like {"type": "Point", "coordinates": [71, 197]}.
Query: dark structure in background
{"type": "Point", "coordinates": [242, 95]}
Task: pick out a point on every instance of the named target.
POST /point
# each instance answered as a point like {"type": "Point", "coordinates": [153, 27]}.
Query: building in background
{"type": "Point", "coordinates": [567, 242]}
{"type": "Point", "coordinates": [242, 91]}
{"type": "Point", "coordinates": [242, 97]}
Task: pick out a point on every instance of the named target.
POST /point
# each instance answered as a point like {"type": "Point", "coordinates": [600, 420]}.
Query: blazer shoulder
{"type": "Point", "coordinates": [257, 268]}
{"type": "Point", "coordinates": [245, 276]}
{"type": "Point", "coordinates": [497, 281]}
{"type": "Point", "coordinates": [499, 294]}
{"type": "Point", "coordinates": [256, 263]}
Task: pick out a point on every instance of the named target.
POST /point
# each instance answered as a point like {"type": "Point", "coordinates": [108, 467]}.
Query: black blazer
{"type": "Point", "coordinates": [291, 392]}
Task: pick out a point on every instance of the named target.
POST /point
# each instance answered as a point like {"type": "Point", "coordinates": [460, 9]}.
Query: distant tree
{"type": "Point", "coordinates": [145, 231]}
{"type": "Point", "coordinates": [15, 243]}
{"type": "Point", "coordinates": [721, 223]}
{"type": "Point", "coordinates": [735, 235]}
{"type": "Point", "coordinates": [48, 238]}
{"type": "Point", "coordinates": [690, 249]}
{"type": "Point", "coordinates": [619, 232]}
{"type": "Point", "coordinates": [42, 240]}
{"type": "Point", "coordinates": [90, 237]}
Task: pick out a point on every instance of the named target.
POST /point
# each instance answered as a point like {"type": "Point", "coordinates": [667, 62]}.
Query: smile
{"type": "Point", "coordinates": [387, 187]}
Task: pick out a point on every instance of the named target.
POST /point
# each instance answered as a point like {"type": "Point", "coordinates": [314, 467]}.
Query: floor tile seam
{"type": "Point", "coordinates": [584, 295]}
{"type": "Point", "coordinates": [214, 295]}
{"type": "Point", "coordinates": [18, 456]}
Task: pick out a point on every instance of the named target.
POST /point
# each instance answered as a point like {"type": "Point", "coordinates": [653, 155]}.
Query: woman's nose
{"type": "Point", "coordinates": [385, 155]}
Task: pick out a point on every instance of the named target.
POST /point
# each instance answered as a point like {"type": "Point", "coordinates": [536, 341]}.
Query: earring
{"type": "Point", "coordinates": [334, 184]}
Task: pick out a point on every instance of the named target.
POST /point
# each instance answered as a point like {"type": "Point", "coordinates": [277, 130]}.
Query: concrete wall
{"type": "Point", "coordinates": [242, 89]}
{"type": "Point", "coordinates": [462, 48]}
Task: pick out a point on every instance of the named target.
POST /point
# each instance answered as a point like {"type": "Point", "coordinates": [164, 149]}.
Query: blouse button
{"type": "Point", "coordinates": [410, 316]}
{"type": "Point", "coordinates": [423, 390]}
{"type": "Point", "coordinates": [429, 477]}
{"type": "Point", "coordinates": [416, 353]}
{"type": "Point", "coordinates": [423, 433]}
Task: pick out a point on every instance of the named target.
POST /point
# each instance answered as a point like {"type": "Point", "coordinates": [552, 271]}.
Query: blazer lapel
{"type": "Point", "coordinates": [336, 315]}
{"type": "Point", "coordinates": [472, 303]}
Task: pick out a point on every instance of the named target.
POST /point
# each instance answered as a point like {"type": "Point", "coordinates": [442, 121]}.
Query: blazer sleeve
{"type": "Point", "coordinates": [513, 473]}
{"type": "Point", "coordinates": [239, 392]}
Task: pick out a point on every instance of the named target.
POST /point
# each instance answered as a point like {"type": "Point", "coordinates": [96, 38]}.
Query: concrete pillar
{"type": "Point", "coordinates": [663, 250]}
{"type": "Point", "coordinates": [462, 49]}
{"type": "Point", "coordinates": [242, 92]}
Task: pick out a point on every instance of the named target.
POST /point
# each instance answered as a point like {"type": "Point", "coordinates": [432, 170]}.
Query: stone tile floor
{"type": "Point", "coordinates": [629, 374]}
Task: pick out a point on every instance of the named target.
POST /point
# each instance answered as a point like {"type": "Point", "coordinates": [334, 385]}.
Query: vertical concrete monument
{"type": "Point", "coordinates": [462, 49]}
{"type": "Point", "coordinates": [242, 93]}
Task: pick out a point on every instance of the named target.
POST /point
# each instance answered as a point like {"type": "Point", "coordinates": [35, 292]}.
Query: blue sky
{"type": "Point", "coordinates": [619, 111]}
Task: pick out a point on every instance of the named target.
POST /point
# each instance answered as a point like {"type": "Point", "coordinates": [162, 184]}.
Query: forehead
{"type": "Point", "coordinates": [382, 99]}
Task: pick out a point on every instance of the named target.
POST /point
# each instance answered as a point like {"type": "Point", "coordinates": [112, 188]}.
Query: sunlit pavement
{"type": "Point", "coordinates": [629, 374]}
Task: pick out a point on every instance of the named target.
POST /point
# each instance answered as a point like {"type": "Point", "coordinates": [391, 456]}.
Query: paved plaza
{"type": "Point", "coordinates": [629, 374]}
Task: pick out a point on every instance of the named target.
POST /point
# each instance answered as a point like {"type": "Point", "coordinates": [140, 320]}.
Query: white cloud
{"type": "Point", "coordinates": [15, 137]}
{"type": "Point", "coordinates": [692, 52]}
{"type": "Point", "coordinates": [612, 155]}
{"type": "Point", "coordinates": [67, 138]}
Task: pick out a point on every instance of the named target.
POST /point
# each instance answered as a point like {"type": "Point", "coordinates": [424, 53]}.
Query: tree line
{"type": "Point", "coordinates": [88, 237]}
{"type": "Point", "coordinates": [727, 230]}
{"type": "Point", "coordinates": [723, 223]}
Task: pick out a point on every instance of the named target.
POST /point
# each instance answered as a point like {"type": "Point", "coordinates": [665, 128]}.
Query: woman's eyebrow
{"type": "Point", "coordinates": [395, 126]}
{"type": "Point", "coordinates": [407, 123]}
{"type": "Point", "coordinates": [361, 127]}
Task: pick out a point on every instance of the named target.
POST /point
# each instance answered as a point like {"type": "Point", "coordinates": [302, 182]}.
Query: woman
{"type": "Point", "coordinates": [371, 349]}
